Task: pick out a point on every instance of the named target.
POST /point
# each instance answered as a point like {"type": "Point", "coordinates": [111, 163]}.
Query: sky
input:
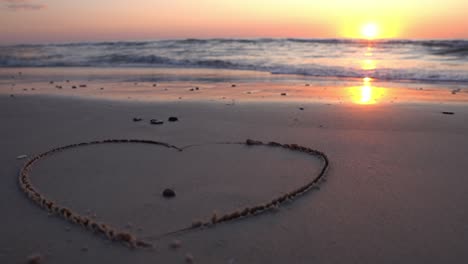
{"type": "Point", "coordinates": [48, 21]}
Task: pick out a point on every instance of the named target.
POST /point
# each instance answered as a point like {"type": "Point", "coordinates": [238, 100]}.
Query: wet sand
{"type": "Point", "coordinates": [396, 189]}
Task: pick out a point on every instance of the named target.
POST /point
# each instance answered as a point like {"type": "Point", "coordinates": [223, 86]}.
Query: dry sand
{"type": "Point", "coordinates": [396, 190]}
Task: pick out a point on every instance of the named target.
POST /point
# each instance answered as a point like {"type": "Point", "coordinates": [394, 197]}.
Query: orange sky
{"type": "Point", "coordinates": [26, 21]}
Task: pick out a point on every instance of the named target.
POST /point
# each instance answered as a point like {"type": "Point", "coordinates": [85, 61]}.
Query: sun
{"type": "Point", "coordinates": [370, 31]}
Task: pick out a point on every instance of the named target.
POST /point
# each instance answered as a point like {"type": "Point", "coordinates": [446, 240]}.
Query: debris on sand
{"type": "Point", "coordinates": [283, 94]}
{"type": "Point", "coordinates": [448, 113]}
{"type": "Point", "coordinates": [83, 86]}
{"type": "Point", "coordinates": [22, 156]}
{"type": "Point", "coordinates": [301, 108]}
{"type": "Point", "coordinates": [137, 119]}
{"type": "Point", "coordinates": [173, 119]}
{"type": "Point", "coordinates": [35, 259]}
{"type": "Point", "coordinates": [156, 122]}
{"type": "Point", "coordinates": [233, 85]}
{"type": "Point", "coordinates": [307, 84]}
{"type": "Point", "coordinates": [154, 85]}
{"type": "Point", "coordinates": [168, 193]}
{"type": "Point", "coordinates": [455, 91]}
{"type": "Point", "coordinates": [73, 87]}
{"type": "Point", "coordinates": [191, 89]}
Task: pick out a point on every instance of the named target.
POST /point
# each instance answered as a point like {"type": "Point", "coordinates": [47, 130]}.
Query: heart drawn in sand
{"type": "Point", "coordinates": [128, 238]}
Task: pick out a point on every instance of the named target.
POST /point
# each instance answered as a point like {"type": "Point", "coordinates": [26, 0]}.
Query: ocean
{"type": "Point", "coordinates": [421, 61]}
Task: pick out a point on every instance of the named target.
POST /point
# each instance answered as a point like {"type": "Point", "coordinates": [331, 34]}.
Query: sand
{"type": "Point", "coordinates": [395, 193]}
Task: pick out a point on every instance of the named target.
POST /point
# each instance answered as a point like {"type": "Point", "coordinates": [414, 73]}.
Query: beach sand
{"type": "Point", "coordinates": [395, 193]}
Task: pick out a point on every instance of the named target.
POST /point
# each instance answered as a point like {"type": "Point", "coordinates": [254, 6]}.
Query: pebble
{"type": "Point", "coordinates": [156, 122]}
{"type": "Point", "coordinates": [169, 193]}
{"type": "Point", "coordinates": [83, 85]}
{"type": "Point", "coordinates": [233, 85]}
{"type": "Point", "coordinates": [301, 108]}
{"type": "Point", "coordinates": [73, 87]}
{"type": "Point", "coordinates": [173, 119]}
{"type": "Point", "coordinates": [448, 113]}
{"type": "Point", "coordinates": [283, 94]}
{"type": "Point", "coordinates": [137, 119]}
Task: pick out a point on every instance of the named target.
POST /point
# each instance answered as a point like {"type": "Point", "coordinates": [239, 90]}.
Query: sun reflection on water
{"type": "Point", "coordinates": [366, 94]}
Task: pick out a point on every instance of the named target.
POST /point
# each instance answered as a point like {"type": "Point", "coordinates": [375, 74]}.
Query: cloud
{"type": "Point", "coordinates": [18, 5]}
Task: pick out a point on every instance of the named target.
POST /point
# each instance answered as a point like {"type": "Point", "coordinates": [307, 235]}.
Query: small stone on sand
{"type": "Point", "coordinates": [137, 119]}
{"type": "Point", "coordinates": [173, 119]}
{"type": "Point", "coordinates": [169, 193]}
{"type": "Point", "coordinates": [301, 108]}
{"type": "Point", "coordinates": [448, 113]}
{"type": "Point", "coordinates": [156, 122]}
{"type": "Point", "coordinates": [283, 94]}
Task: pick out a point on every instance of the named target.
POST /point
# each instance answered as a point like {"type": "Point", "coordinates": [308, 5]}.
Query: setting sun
{"type": "Point", "coordinates": [370, 31]}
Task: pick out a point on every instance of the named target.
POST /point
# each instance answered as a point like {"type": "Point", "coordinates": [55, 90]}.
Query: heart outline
{"type": "Point", "coordinates": [129, 239]}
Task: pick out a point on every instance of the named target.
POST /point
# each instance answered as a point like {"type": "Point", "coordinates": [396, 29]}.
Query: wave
{"type": "Point", "coordinates": [429, 43]}
{"type": "Point", "coordinates": [307, 57]}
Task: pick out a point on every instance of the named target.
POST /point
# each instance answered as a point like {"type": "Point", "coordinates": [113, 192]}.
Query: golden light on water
{"type": "Point", "coordinates": [368, 65]}
{"type": "Point", "coordinates": [366, 94]}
